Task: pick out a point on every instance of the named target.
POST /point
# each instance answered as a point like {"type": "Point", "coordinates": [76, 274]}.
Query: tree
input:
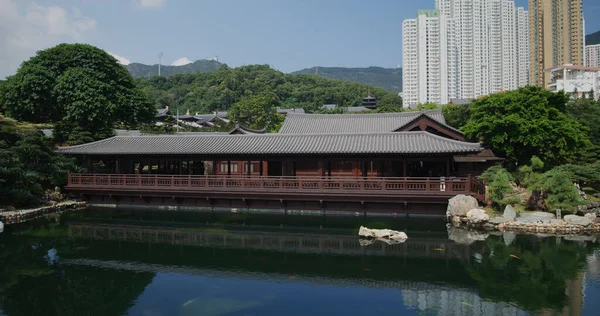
{"type": "Point", "coordinates": [457, 115]}
{"type": "Point", "coordinates": [256, 111]}
{"type": "Point", "coordinates": [527, 122]}
{"type": "Point", "coordinates": [498, 180]}
{"type": "Point", "coordinates": [28, 165]}
{"type": "Point", "coordinates": [77, 87]}
{"type": "Point", "coordinates": [427, 106]}
{"type": "Point", "coordinates": [587, 113]}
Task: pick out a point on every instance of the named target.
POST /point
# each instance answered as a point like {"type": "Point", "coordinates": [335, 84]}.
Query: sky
{"type": "Point", "coordinates": [288, 35]}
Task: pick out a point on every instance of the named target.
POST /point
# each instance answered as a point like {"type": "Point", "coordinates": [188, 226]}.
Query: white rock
{"type": "Point", "coordinates": [1, 227]}
{"type": "Point", "coordinates": [477, 216]}
{"type": "Point", "coordinates": [460, 205]}
{"type": "Point", "coordinates": [509, 213]}
{"type": "Point", "coordinates": [382, 233]}
{"type": "Point", "coordinates": [591, 216]}
{"type": "Point", "coordinates": [577, 220]}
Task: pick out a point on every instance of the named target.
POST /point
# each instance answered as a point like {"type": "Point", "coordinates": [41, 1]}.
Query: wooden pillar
{"type": "Point", "coordinates": [329, 168]}
{"type": "Point", "coordinates": [118, 165]}
{"type": "Point", "coordinates": [448, 166]}
{"type": "Point", "coordinates": [228, 168]}
{"type": "Point", "coordinates": [294, 168]}
{"type": "Point", "coordinates": [363, 168]}
{"type": "Point", "coordinates": [404, 167]}
{"type": "Point", "coordinates": [248, 172]}
{"type": "Point", "coordinates": [321, 167]}
{"type": "Point", "coordinates": [260, 168]}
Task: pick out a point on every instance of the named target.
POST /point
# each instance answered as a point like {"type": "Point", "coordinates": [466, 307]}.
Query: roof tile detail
{"type": "Point", "coordinates": [275, 144]}
{"type": "Point", "coordinates": [352, 123]}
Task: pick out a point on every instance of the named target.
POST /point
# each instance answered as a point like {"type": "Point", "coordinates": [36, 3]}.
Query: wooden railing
{"type": "Point", "coordinates": [434, 186]}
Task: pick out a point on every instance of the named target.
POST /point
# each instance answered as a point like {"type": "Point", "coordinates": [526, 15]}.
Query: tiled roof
{"type": "Point", "coordinates": [287, 111]}
{"type": "Point", "coordinates": [240, 129]}
{"type": "Point", "coordinates": [352, 123]}
{"type": "Point", "coordinates": [273, 144]}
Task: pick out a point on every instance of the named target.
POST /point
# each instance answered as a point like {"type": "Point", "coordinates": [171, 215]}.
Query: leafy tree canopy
{"type": "Point", "coordinates": [28, 165]}
{"type": "Point", "coordinates": [457, 115]}
{"type": "Point", "coordinates": [527, 122]}
{"type": "Point", "coordinates": [75, 85]}
{"type": "Point", "coordinates": [257, 111]}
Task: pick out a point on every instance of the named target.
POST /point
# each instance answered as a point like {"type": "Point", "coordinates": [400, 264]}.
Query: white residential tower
{"type": "Point", "coordinates": [483, 47]}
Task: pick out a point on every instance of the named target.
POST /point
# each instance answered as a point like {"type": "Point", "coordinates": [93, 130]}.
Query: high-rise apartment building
{"type": "Point", "coordinates": [523, 54]}
{"type": "Point", "coordinates": [428, 69]}
{"type": "Point", "coordinates": [592, 56]}
{"type": "Point", "coordinates": [556, 36]}
{"type": "Point", "coordinates": [485, 49]}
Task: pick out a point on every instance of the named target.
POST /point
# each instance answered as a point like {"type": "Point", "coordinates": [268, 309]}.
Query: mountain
{"type": "Point", "coordinates": [203, 65]}
{"type": "Point", "coordinates": [385, 78]}
{"type": "Point", "coordinates": [592, 39]}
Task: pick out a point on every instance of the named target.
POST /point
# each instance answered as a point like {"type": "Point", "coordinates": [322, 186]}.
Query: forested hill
{"type": "Point", "coordinates": [385, 78]}
{"type": "Point", "coordinates": [219, 90]}
{"type": "Point", "coordinates": [592, 39]}
{"type": "Point", "coordinates": [141, 70]}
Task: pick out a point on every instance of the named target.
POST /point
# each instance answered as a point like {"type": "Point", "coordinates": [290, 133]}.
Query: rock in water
{"type": "Point", "coordinates": [577, 220]}
{"type": "Point", "coordinates": [382, 233]}
{"type": "Point", "coordinates": [509, 213]}
{"type": "Point", "coordinates": [1, 227]}
{"type": "Point", "coordinates": [460, 205]}
{"type": "Point", "coordinates": [476, 216]}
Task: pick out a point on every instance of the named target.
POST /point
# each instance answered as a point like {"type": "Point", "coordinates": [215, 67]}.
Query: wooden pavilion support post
{"type": "Point", "coordinates": [260, 168]}
{"type": "Point", "coordinates": [228, 168]}
{"type": "Point", "coordinates": [249, 168]}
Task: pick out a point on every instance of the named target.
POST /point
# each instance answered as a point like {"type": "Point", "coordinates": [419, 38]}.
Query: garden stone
{"type": "Point", "coordinates": [509, 213]}
{"type": "Point", "coordinates": [590, 216]}
{"type": "Point", "coordinates": [577, 220]}
{"type": "Point", "coordinates": [477, 216]}
{"type": "Point", "coordinates": [460, 205]}
{"type": "Point", "coordinates": [509, 238]}
{"type": "Point", "coordinates": [499, 220]}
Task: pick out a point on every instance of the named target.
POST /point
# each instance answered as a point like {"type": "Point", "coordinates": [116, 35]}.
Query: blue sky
{"type": "Point", "coordinates": [286, 34]}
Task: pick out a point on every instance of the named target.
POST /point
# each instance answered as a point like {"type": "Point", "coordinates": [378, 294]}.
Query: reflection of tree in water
{"type": "Point", "coordinates": [31, 285]}
{"type": "Point", "coordinates": [532, 274]}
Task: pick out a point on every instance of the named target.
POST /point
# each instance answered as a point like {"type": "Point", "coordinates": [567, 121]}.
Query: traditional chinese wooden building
{"type": "Point", "coordinates": [350, 161]}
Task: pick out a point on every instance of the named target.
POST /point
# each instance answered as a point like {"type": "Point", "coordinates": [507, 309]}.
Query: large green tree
{"type": "Point", "coordinates": [527, 122]}
{"type": "Point", "coordinates": [256, 111]}
{"type": "Point", "coordinates": [77, 87]}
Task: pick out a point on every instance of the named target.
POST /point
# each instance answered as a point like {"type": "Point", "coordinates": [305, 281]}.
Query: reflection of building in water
{"type": "Point", "coordinates": [433, 248]}
{"type": "Point", "coordinates": [449, 302]}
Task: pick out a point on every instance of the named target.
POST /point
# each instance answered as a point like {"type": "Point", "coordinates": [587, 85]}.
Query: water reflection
{"type": "Point", "coordinates": [118, 266]}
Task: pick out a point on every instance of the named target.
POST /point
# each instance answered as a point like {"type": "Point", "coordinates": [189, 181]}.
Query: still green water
{"type": "Point", "coordinates": [128, 263]}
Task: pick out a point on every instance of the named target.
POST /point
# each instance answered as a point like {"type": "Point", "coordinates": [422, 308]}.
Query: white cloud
{"type": "Point", "coordinates": [181, 61]}
{"type": "Point", "coordinates": [28, 29]}
{"type": "Point", "coordinates": [122, 60]}
{"type": "Point", "coordinates": [150, 3]}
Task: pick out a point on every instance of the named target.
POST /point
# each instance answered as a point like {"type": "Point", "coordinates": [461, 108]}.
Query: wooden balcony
{"type": "Point", "coordinates": [178, 185]}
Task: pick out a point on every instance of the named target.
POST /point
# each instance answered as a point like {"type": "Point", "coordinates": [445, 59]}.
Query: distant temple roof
{"type": "Point", "coordinates": [483, 156]}
{"type": "Point", "coordinates": [274, 144]}
{"type": "Point", "coordinates": [353, 123]}
{"type": "Point", "coordinates": [239, 129]}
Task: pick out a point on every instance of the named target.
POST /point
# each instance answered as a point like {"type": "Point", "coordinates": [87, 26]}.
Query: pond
{"type": "Point", "coordinates": [149, 263]}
